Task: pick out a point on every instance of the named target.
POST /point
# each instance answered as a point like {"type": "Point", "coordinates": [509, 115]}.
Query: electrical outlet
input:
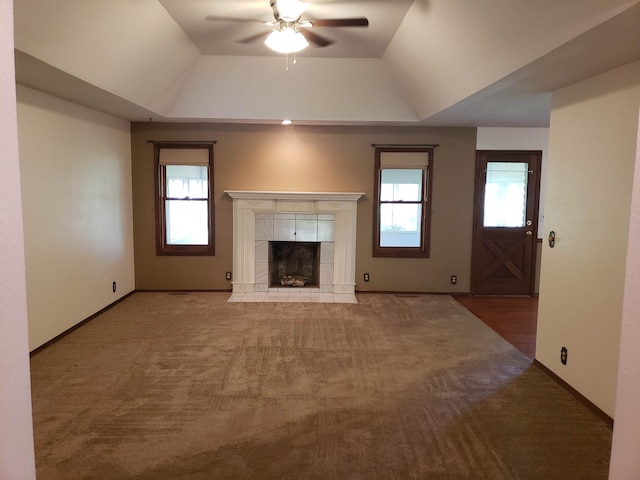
{"type": "Point", "coordinates": [366, 277]}
{"type": "Point", "coordinates": [114, 287]}
{"type": "Point", "coordinates": [228, 276]}
{"type": "Point", "coordinates": [454, 279]}
{"type": "Point", "coordinates": [563, 355]}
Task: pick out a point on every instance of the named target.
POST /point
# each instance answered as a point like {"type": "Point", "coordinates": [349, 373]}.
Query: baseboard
{"type": "Point", "coordinates": [588, 403]}
{"type": "Point", "coordinates": [223, 290]}
{"type": "Point", "coordinates": [184, 290]}
{"type": "Point", "coordinates": [405, 292]}
{"type": "Point", "coordinates": [79, 324]}
{"type": "Point", "coordinates": [492, 295]}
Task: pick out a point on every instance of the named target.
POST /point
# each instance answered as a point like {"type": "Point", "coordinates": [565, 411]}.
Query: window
{"type": "Point", "coordinates": [402, 201]}
{"type": "Point", "coordinates": [184, 193]}
{"type": "Point", "coordinates": [505, 195]}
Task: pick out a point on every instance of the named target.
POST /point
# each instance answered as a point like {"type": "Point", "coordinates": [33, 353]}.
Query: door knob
{"type": "Point", "coordinates": [529, 232]}
{"type": "Point", "coordinates": [552, 239]}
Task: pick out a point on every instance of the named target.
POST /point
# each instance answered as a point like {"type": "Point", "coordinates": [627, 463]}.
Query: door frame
{"type": "Point", "coordinates": [478, 214]}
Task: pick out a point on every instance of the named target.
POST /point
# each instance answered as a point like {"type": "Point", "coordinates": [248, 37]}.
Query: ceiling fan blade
{"type": "Point", "coordinates": [341, 22]}
{"type": "Point", "coordinates": [254, 38]}
{"type": "Point", "coordinates": [317, 40]}
{"type": "Point", "coordinates": [213, 18]}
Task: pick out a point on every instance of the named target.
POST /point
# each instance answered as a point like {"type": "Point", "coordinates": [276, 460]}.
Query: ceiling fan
{"type": "Point", "coordinates": [289, 32]}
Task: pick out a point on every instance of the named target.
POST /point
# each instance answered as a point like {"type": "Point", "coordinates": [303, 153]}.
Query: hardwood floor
{"type": "Point", "coordinates": [513, 318]}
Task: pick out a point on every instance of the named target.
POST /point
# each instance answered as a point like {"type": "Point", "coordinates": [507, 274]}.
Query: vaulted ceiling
{"type": "Point", "coordinates": [422, 62]}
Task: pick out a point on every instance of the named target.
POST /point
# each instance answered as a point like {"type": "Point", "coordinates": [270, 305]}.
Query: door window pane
{"type": "Point", "coordinates": [505, 198]}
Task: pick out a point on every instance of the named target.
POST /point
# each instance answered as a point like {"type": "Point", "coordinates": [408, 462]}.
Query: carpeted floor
{"type": "Point", "coordinates": [188, 386]}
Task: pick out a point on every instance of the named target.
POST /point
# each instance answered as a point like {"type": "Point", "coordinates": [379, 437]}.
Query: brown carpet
{"type": "Point", "coordinates": [170, 386]}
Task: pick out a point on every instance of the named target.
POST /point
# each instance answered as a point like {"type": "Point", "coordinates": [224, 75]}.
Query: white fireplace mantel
{"type": "Point", "coordinates": [342, 205]}
{"type": "Point", "coordinates": [314, 196]}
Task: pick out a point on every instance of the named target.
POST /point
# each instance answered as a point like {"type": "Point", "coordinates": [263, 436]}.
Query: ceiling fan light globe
{"type": "Point", "coordinates": [286, 41]}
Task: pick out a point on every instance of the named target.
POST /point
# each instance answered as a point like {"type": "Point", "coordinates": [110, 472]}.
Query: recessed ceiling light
{"type": "Point", "coordinates": [286, 122]}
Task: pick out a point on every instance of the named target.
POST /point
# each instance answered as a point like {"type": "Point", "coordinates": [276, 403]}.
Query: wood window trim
{"type": "Point", "coordinates": [163, 249]}
{"type": "Point", "coordinates": [423, 251]}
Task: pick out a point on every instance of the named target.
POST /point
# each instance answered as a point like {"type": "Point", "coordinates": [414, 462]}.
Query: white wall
{"type": "Point", "coordinates": [354, 89]}
{"type": "Point", "coordinates": [592, 148]}
{"type": "Point", "coordinates": [142, 59]}
{"type": "Point", "coordinates": [77, 202]}
{"type": "Point", "coordinates": [625, 462]}
{"type": "Point", "coordinates": [16, 434]}
{"type": "Point", "coordinates": [439, 39]}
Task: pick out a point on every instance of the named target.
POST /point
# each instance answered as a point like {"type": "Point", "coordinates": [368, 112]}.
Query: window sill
{"type": "Point", "coordinates": [400, 252]}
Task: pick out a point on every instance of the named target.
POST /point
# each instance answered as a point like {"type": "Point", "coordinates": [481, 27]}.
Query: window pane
{"type": "Point", "coordinates": [186, 181]}
{"type": "Point", "coordinates": [505, 196]}
{"type": "Point", "coordinates": [187, 222]}
{"type": "Point", "coordinates": [400, 225]}
{"type": "Point", "coordinates": [401, 185]}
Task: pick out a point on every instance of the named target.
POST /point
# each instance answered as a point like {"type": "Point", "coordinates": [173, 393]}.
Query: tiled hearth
{"type": "Point", "coordinates": [326, 217]}
{"type": "Point", "coordinates": [293, 295]}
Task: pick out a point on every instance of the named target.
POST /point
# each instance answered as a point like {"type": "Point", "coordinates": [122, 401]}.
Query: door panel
{"type": "Point", "coordinates": [505, 222]}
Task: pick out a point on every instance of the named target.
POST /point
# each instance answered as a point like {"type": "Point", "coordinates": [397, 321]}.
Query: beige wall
{"type": "Point", "coordinates": [16, 434]}
{"type": "Point", "coordinates": [75, 165]}
{"type": "Point", "coordinates": [592, 147]}
{"type": "Point", "coordinates": [304, 158]}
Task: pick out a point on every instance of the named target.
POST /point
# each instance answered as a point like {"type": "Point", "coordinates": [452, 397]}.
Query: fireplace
{"type": "Point", "coordinates": [294, 264]}
{"type": "Point", "coordinates": [326, 218]}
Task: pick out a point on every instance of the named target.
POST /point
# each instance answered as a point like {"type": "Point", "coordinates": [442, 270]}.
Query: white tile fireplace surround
{"type": "Point", "coordinates": [325, 217]}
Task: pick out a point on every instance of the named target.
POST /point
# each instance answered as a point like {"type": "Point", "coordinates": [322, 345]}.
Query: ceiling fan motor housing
{"type": "Point", "coordinates": [287, 10]}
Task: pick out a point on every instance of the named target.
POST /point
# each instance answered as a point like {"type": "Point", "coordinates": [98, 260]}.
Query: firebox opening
{"type": "Point", "coordinates": [294, 264]}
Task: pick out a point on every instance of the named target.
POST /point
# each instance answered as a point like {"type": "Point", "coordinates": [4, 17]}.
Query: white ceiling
{"type": "Point", "coordinates": [216, 37]}
{"type": "Point", "coordinates": [422, 62]}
